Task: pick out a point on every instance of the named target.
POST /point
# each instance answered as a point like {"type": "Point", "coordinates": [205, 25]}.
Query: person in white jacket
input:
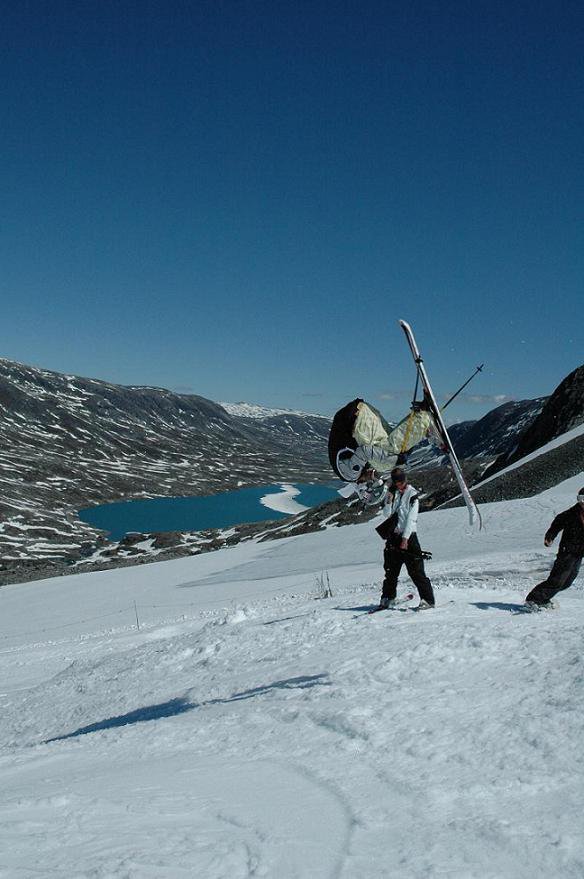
{"type": "Point", "coordinates": [402, 545]}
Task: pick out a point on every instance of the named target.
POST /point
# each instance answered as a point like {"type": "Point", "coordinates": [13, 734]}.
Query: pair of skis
{"type": "Point", "coordinates": [398, 603]}
{"type": "Point", "coordinates": [448, 448]}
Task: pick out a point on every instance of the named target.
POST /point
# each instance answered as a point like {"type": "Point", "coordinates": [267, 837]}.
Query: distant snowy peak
{"type": "Point", "coordinates": [251, 410]}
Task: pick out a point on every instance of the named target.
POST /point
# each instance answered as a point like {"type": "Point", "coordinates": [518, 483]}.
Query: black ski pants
{"type": "Point", "coordinates": [562, 575]}
{"type": "Point", "coordinates": [394, 558]}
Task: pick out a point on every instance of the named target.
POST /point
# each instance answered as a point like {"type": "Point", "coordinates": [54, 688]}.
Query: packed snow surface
{"type": "Point", "coordinates": [209, 717]}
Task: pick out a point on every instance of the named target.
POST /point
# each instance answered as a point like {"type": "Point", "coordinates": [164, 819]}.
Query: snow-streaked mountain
{"type": "Point", "coordinates": [246, 729]}
{"type": "Point", "coordinates": [556, 461]}
{"type": "Point", "coordinates": [497, 431]}
{"type": "Point", "coordinates": [69, 442]}
{"type": "Point", "coordinates": [481, 441]}
{"type": "Point", "coordinates": [563, 410]}
{"type": "Point", "coordinates": [252, 410]}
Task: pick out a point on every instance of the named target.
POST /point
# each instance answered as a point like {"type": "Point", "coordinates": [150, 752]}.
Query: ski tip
{"type": "Point", "coordinates": [475, 518]}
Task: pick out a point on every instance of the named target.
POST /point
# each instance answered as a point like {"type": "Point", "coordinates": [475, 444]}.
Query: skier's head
{"type": "Point", "coordinates": [368, 474]}
{"type": "Point", "coordinates": [398, 477]}
{"type": "Point", "coordinates": [581, 497]}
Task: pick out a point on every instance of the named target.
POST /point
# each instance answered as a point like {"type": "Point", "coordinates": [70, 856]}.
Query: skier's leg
{"type": "Point", "coordinates": [562, 575]}
{"type": "Point", "coordinates": [410, 431]}
{"type": "Point", "coordinates": [416, 570]}
{"type": "Point", "coordinates": [392, 564]}
{"type": "Point", "coordinates": [381, 445]}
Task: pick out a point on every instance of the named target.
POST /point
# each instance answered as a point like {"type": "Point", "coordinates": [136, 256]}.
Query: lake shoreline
{"type": "Point", "coordinates": [203, 512]}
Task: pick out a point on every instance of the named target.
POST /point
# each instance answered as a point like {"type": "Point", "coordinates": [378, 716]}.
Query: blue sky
{"type": "Point", "coordinates": [239, 199]}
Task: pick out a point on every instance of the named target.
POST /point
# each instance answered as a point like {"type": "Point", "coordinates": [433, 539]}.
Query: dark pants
{"type": "Point", "coordinates": [562, 575]}
{"type": "Point", "coordinates": [393, 559]}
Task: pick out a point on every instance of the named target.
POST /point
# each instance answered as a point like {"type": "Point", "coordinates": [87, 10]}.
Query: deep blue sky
{"type": "Point", "coordinates": [239, 198]}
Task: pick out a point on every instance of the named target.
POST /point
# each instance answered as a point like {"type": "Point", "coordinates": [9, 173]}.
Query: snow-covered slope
{"type": "Point", "coordinates": [246, 729]}
{"type": "Point", "coordinates": [252, 410]}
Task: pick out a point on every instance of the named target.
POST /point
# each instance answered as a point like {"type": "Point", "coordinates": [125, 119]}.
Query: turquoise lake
{"type": "Point", "coordinates": [197, 513]}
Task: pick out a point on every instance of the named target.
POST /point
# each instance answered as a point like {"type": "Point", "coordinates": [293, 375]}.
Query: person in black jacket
{"type": "Point", "coordinates": [569, 558]}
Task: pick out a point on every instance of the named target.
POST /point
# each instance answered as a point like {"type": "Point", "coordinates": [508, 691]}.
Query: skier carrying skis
{"type": "Point", "coordinates": [363, 448]}
{"type": "Point", "coordinates": [569, 557]}
{"type": "Point", "coordinates": [402, 545]}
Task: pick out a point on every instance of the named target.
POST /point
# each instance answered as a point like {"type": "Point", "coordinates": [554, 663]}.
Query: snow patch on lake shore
{"type": "Point", "coordinates": [284, 501]}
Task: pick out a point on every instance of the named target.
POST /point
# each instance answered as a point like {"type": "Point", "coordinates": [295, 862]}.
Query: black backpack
{"type": "Point", "coordinates": [341, 433]}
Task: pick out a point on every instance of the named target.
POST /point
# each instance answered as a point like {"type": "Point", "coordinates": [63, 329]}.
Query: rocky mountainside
{"type": "Point", "coordinates": [70, 442]}
{"type": "Point", "coordinates": [478, 443]}
{"type": "Point", "coordinates": [551, 464]}
{"type": "Point", "coordinates": [563, 410]}
{"type": "Point", "coordinates": [497, 431]}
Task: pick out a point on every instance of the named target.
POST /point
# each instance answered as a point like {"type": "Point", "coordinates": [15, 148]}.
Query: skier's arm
{"type": "Point", "coordinates": [557, 525]}
{"type": "Point", "coordinates": [388, 505]}
{"type": "Point", "coordinates": [390, 496]}
{"type": "Point", "coordinates": [412, 518]}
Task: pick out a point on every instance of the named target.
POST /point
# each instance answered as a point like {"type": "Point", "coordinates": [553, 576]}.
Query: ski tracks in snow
{"type": "Point", "coordinates": [181, 818]}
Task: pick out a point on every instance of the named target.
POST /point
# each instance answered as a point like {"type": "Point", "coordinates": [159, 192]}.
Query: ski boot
{"type": "Point", "coordinates": [423, 605]}
{"type": "Point", "coordinates": [536, 607]}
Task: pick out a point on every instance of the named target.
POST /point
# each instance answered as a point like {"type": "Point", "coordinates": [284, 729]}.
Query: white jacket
{"type": "Point", "coordinates": [406, 506]}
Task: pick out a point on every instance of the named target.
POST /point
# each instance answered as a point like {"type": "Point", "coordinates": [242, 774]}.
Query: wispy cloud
{"type": "Point", "coordinates": [483, 399]}
{"type": "Point", "coordinates": [394, 395]}
{"type": "Point", "coordinates": [184, 389]}
{"type": "Point", "coordinates": [399, 395]}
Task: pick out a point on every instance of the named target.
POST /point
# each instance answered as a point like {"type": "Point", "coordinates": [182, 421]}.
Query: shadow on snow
{"type": "Point", "coordinates": [499, 605]}
{"type": "Point", "coordinates": [362, 607]}
{"type": "Point", "coordinates": [181, 705]}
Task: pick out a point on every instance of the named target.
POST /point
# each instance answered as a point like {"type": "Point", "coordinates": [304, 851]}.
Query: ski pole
{"type": "Point", "coordinates": [423, 554]}
{"type": "Point", "coordinates": [462, 387]}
